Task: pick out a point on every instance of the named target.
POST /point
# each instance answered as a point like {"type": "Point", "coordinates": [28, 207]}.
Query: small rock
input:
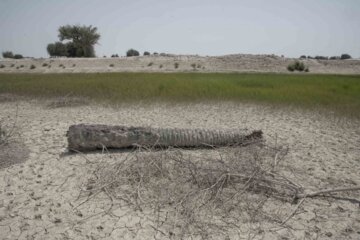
{"type": "Point", "coordinates": [57, 220]}
{"type": "Point", "coordinates": [328, 234]}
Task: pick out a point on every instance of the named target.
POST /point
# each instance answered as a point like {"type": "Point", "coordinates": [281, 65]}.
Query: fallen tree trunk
{"type": "Point", "coordinates": [90, 137]}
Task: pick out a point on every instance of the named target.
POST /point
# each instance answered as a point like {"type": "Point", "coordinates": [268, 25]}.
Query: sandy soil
{"type": "Point", "coordinates": [166, 63]}
{"type": "Point", "coordinates": [39, 197]}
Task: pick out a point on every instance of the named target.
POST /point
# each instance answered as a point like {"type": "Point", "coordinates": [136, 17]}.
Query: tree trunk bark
{"type": "Point", "coordinates": [90, 137]}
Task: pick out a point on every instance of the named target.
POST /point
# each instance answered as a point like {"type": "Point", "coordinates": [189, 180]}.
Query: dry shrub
{"type": "Point", "coordinates": [12, 150]}
{"type": "Point", "coordinates": [8, 129]}
{"type": "Point", "coordinates": [213, 193]}
{"type": "Point", "coordinates": [4, 134]}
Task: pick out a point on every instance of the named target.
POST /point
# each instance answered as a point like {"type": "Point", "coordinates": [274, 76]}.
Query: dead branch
{"type": "Point", "coordinates": [327, 191]}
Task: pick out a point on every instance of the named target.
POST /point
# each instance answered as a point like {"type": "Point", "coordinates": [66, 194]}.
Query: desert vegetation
{"type": "Point", "coordinates": [337, 92]}
{"type": "Point", "coordinates": [80, 42]}
{"type": "Point", "coordinates": [297, 66]}
{"type": "Point", "coordinates": [132, 52]}
{"type": "Point", "coordinates": [9, 54]}
{"type": "Point", "coordinates": [5, 133]}
{"type": "Point", "coordinates": [343, 56]}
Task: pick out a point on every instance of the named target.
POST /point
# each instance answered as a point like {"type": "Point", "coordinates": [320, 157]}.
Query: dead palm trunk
{"type": "Point", "coordinates": [90, 137]}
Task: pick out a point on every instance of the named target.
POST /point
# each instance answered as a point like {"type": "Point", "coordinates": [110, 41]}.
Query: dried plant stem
{"type": "Point", "coordinates": [317, 193]}
{"type": "Point", "coordinates": [293, 212]}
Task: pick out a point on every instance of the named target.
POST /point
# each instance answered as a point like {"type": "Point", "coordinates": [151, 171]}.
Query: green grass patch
{"type": "Point", "coordinates": [334, 92]}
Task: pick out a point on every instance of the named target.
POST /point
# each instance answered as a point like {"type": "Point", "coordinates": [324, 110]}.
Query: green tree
{"type": "Point", "coordinates": [132, 52]}
{"type": "Point", "coordinates": [83, 37]}
{"type": "Point", "coordinates": [18, 56]}
{"type": "Point", "coordinates": [57, 49]}
{"type": "Point", "coordinates": [8, 54]}
{"type": "Point", "coordinates": [345, 56]}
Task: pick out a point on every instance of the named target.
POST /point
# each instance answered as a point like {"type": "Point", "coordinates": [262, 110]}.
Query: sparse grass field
{"type": "Point", "coordinates": [339, 93]}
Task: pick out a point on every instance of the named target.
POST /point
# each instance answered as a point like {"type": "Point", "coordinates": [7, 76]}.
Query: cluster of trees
{"type": "Point", "coordinates": [9, 54]}
{"type": "Point", "coordinates": [342, 57]}
{"type": "Point", "coordinates": [79, 42]}
{"type": "Point", "coordinates": [132, 52]}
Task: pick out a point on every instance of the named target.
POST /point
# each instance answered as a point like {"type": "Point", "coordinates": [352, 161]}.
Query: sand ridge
{"type": "Point", "coordinates": [186, 63]}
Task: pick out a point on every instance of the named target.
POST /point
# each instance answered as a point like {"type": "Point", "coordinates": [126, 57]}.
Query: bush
{"type": "Point", "coordinates": [193, 66]}
{"type": "Point", "coordinates": [155, 53]}
{"type": "Point", "coordinates": [12, 65]}
{"type": "Point", "coordinates": [8, 54]}
{"type": "Point", "coordinates": [150, 64]}
{"type": "Point", "coordinates": [334, 58]}
{"type": "Point", "coordinates": [18, 56]}
{"type": "Point", "coordinates": [302, 57]}
{"type": "Point", "coordinates": [345, 56]}
{"type": "Point", "coordinates": [2, 66]}
{"type": "Point", "coordinates": [57, 49]}
{"type": "Point", "coordinates": [300, 66]}
{"type": "Point", "coordinates": [111, 65]}
{"type": "Point", "coordinates": [291, 67]}
{"type": "Point", "coordinates": [321, 58]}
{"type": "Point", "coordinates": [297, 66]}
{"type": "Point", "coordinates": [146, 53]}
{"type": "Point", "coordinates": [176, 65]}
{"type": "Point", "coordinates": [114, 55]}
{"type": "Point", "coordinates": [32, 66]}
{"type": "Point", "coordinates": [132, 52]}
{"type": "Point", "coordinates": [44, 64]}
{"type": "Point", "coordinates": [21, 66]}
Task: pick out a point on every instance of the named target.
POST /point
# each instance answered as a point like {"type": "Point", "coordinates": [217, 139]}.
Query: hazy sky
{"type": "Point", "coordinates": [205, 27]}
